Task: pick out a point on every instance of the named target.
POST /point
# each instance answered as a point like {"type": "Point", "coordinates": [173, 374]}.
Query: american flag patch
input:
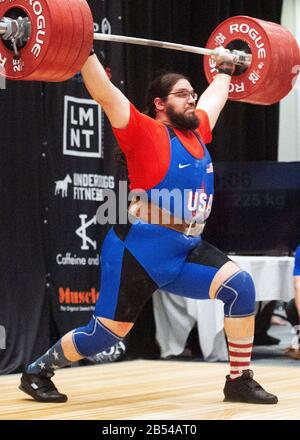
{"type": "Point", "coordinates": [209, 168]}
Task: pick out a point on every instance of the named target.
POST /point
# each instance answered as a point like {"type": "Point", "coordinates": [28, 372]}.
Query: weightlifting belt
{"type": "Point", "coordinates": [153, 214]}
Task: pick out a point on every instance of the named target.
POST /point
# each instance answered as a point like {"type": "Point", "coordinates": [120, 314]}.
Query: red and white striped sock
{"type": "Point", "coordinates": [239, 356]}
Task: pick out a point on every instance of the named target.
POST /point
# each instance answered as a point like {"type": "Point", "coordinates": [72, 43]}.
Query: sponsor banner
{"type": "Point", "coordinates": [82, 128]}
{"type": "Point", "coordinates": [77, 301]}
{"type": "Point", "coordinates": [80, 168]}
{"type": "Point", "coordinates": [72, 260]}
{"type": "Point", "coordinates": [83, 186]}
{"type": "Point", "coordinates": [68, 296]}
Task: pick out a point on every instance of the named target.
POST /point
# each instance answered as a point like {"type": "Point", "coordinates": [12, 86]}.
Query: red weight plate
{"type": "Point", "coordinates": [274, 51]}
{"type": "Point", "coordinates": [247, 30]}
{"type": "Point", "coordinates": [45, 69]}
{"type": "Point", "coordinates": [283, 57]}
{"type": "Point", "coordinates": [288, 57]}
{"type": "Point", "coordinates": [56, 64]}
{"type": "Point", "coordinates": [73, 45]}
{"type": "Point", "coordinates": [77, 41]}
{"type": "Point", "coordinates": [88, 36]}
{"type": "Point", "coordinates": [296, 60]}
{"type": "Point", "coordinates": [88, 25]}
{"type": "Point", "coordinates": [43, 19]}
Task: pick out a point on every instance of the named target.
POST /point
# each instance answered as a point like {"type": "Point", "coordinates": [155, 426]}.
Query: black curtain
{"type": "Point", "coordinates": [46, 206]}
{"type": "Point", "coordinates": [24, 309]}
{"type": "Point", "coordinates": [244, 132]}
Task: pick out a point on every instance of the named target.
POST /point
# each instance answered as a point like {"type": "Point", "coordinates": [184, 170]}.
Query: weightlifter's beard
{"type": "Point", "coordinates": [182, 121]}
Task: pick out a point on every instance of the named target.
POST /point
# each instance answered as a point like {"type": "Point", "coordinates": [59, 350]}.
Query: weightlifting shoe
{"type": "Point", "coordinates": [41, 388]}
{"type": "Point", "coordinates": [246, 389]}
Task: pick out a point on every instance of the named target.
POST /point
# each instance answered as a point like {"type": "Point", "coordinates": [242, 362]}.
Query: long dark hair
{"type": "Point", "coordinates": [159, 87]}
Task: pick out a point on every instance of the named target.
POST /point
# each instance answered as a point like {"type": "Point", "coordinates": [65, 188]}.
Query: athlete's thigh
{"type": "Point", "coordinates": [125, 286]}
{"type": "Point", "coordinates": [199, 270]}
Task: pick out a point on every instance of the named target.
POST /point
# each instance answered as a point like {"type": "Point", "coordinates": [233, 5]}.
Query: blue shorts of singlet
{"type": "Point", "coordinates": [137, 259]}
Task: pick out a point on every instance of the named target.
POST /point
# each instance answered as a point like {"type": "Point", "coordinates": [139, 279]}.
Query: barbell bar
{"type": "Point", "coordinates": [237, 57]}
{"type": "Point", "coordinates": [11, 29]}
{"type": "Point", "coordinates": [58, 36]}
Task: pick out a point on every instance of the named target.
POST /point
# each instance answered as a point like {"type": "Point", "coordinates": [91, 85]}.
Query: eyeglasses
{"type": "Point", "coordinates": [185, 94]}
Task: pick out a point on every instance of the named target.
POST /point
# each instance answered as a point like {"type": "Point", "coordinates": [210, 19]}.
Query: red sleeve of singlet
{"type": "Point", "coordinates": [204, 128]}
{"type": "Point", "coordinates": [145, 143]}
{"type": "Point", "coordinates": [141, 126]}
{"type": "Point", "coordinates": [140, 132]}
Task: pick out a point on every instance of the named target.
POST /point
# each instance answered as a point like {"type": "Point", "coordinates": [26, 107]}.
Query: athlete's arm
{"type": "Point", "coordinates": [114, 103]}
{"type": "Point", "coordinates": [215, 96]}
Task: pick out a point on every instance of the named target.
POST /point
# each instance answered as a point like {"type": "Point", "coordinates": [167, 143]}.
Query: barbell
{"type": "Point", "coordinates": [50, 40]}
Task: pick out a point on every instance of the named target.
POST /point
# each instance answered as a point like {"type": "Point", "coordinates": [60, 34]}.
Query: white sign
{"type": "Point", "coordinates": [82, 128]}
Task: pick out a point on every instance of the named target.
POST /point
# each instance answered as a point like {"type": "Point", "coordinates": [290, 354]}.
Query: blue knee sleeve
{"type": "Point", "coordinates": [238, 295]}
{"type": "Point", "coordinates": [93, 338]}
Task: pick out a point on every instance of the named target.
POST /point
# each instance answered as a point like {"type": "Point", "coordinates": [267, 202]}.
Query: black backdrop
{"type": "Point", "coordinates": [49, 195]}
{"type": "Point", "coordinates": [56, 159]}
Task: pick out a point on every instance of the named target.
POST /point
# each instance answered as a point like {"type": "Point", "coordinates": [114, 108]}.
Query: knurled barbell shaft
{"type": "Point", "coordinates": [153, 43]}
{"type": "Point", "coordinates": [246, 58]}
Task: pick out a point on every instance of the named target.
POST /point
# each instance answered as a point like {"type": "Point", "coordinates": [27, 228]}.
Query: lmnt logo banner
{"type": "Point", "coordinates": [82, 128]}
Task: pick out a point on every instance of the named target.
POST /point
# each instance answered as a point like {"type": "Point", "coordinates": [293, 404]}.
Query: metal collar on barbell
{"type": "Point", "coordinates": [17, 31]}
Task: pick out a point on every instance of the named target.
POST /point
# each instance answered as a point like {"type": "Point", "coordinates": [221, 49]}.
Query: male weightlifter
{"type": "Point", "coordinates": [165, 150]}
